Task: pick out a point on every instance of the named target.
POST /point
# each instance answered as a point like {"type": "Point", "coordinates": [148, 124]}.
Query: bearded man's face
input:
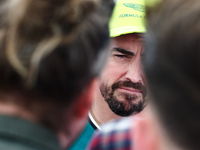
{"type": "Point", "coordinates": [122, 80]}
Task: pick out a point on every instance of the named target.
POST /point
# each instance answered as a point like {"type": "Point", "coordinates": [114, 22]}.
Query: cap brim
{"type": "Point", "coordinates": [126, 30]}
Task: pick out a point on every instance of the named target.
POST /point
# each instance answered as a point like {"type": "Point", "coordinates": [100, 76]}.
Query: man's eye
{"type": "Point", "coordinates": [121, 56]}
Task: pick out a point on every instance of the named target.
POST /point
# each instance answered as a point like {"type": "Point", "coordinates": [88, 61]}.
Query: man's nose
{"type": "Point", "coordinates": [134, 72]}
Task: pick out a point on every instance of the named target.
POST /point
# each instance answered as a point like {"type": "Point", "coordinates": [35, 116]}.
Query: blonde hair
{"type": "Point", "coordinates": [49, 51]}
{"type": "Point", "coordinates": [39, 26]}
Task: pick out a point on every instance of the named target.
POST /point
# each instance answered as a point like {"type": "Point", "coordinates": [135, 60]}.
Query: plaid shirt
{"type": "Point", "coordinates": [114, 135]}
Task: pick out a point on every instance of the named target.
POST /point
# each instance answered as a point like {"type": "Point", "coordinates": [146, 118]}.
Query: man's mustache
{"type": "Point", "coordinates": [138, 85]}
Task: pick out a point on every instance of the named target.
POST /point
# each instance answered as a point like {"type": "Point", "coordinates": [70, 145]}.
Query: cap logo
{"type": "Point", "coordinates": [137, 7]}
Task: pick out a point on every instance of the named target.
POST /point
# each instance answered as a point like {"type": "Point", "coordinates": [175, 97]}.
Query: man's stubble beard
{"type": "Point", "coordinates": [130, 104]}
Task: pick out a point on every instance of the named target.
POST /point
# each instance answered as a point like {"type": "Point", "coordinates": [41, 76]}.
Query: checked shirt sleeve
{"type": "Point", "coordinates": [95, 143]}
{"type": "Point", "coordinates": [115, 135]}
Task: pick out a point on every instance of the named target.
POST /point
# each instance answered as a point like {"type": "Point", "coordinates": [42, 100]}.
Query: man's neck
{"type": "Point", "coordinates": [100, 110]}
{"type": "Point", "coordinates": [12, 110]}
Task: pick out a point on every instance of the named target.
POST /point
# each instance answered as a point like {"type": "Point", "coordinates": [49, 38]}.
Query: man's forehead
{"type": "Point", "coordinates": [125, 41]}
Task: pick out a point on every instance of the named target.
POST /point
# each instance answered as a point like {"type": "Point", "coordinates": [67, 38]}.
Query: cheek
{"type": "Point", "coordinates": [111, 73]}
{"type": "Point", "coordinates": [143, 77]}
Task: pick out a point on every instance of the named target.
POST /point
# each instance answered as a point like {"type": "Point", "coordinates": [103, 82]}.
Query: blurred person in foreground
{"type": "Point", "coordinates": [50, 55]}
{"type": "Point", "coordinates": [171, 121]}
{"type": "Point", "coordinates": [122, 90]}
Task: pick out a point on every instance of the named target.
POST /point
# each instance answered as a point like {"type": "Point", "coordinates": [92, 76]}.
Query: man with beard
{"type": "Point", "coordinates": [171, 120]}
{"type": "Point", "coordinates": [122, 84]}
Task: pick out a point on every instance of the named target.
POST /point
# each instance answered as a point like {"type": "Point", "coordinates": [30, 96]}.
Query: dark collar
{"type": "Point", "coordinates": [26, 132]}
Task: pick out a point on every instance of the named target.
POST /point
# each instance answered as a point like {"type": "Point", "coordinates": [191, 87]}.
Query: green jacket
{"type": "Point", "coordinates": [20, 134]}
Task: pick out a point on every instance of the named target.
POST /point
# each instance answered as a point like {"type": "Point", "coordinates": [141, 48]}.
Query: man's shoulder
{"type": "Point", "coordinates": [20, 134]}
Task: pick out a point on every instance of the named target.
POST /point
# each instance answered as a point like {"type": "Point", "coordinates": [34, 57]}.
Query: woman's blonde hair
{"type": "Point", "coordinates": [39, 26]}
{"type": "Point", "coordinates": [48, 48]}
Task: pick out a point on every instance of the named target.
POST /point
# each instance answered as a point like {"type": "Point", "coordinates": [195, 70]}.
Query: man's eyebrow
{"type": "Point", "coordinates": [123, 51]}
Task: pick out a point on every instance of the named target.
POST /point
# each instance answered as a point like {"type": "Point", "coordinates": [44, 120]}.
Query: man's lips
{"type": "Point", "coordinates": [130, 90]}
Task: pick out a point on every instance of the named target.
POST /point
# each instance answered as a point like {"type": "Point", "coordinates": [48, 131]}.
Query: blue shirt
{"type": "Point", "coordinates": [83, 140]}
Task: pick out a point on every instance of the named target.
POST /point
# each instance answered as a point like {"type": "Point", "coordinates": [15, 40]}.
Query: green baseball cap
{"type": "Point", "coordinates": [128, 17]}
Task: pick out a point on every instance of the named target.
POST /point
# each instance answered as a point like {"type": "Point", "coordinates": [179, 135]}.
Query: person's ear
{"type": "Point", "coordinates": [85, 99]}
{"type": "Point", "coordinates": [145, 134]}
